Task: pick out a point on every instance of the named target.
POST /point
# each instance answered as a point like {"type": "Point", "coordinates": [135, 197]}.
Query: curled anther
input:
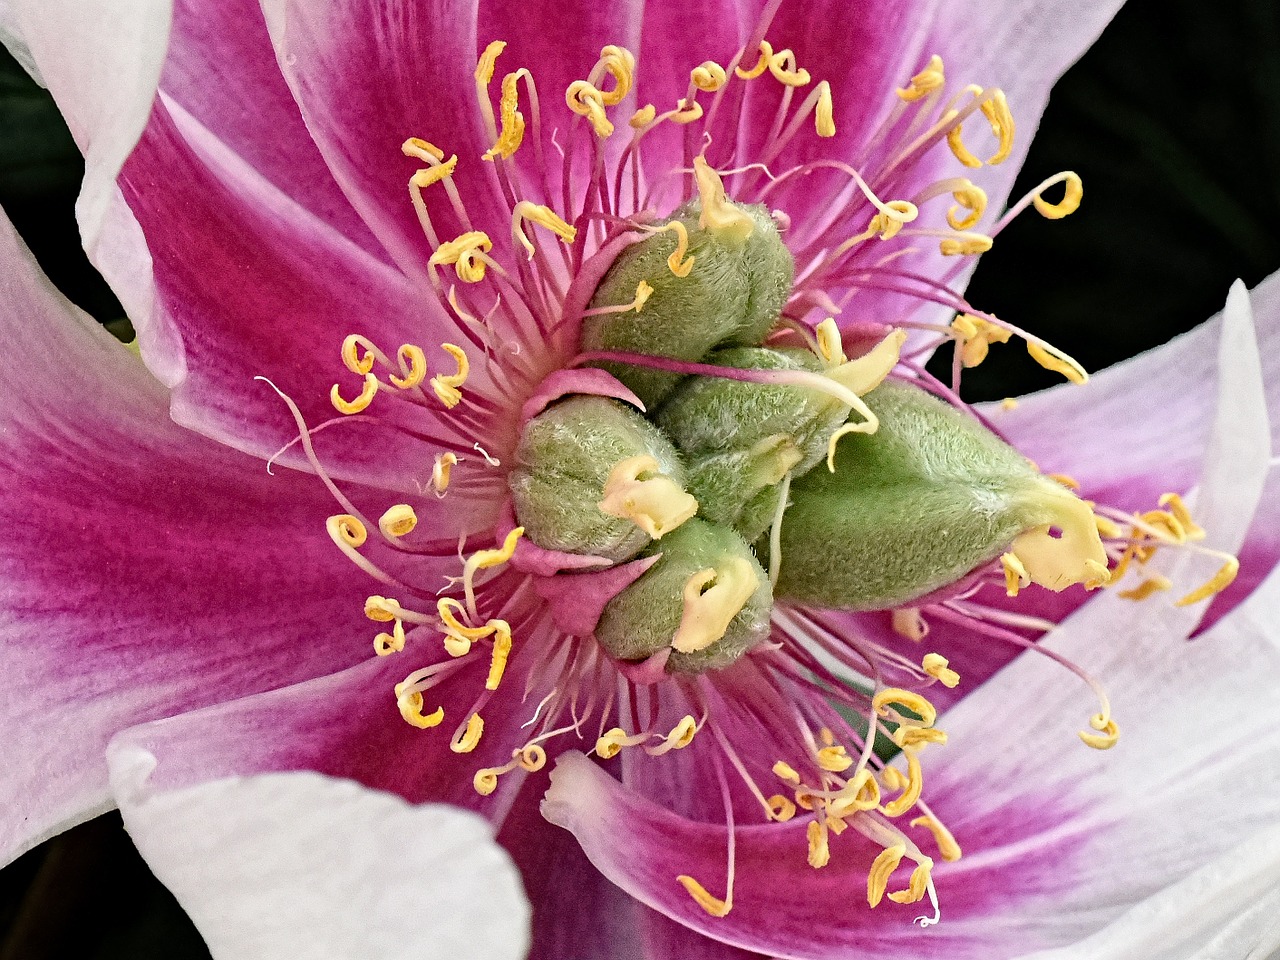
{"type": "Point", "coordinates": [974, 337]}
{"type": "Point", "coordinates": [643, 117]}
{"type": "Point", "coordinates": [398, 521]}
{"type": "Point", "coordinates": [619, 63]}
{"type": "Point", "coordinates": [410, 703]}
{"type": "Point", "coordinates": [352, 359]}
{"type": "Point", "coordinates": [918, 886]}
{"type": "Point", "coordinates": [681, 736]}
{"type": "Point", "coordinates": [532, 758]}
{"type": "Point", "coordinates": [970, 197]}
{"type": "Point", "coordinates": [586, 101]}
{"type": "Point", "coordinates": [446, 385]}
{"type": "Point", "coordinates": [965, 244]}
{"type": "Point", "coordinates": [783, 67]}
{"type": "Point", "coordinates": [544, 217]}
{"type": "Point", "coordinates": [995, 108]}
{"type": "Point", "coordinates": [1073, 193]}
{"type": "Point", "coordinates": [413, 367]}
{"type": "Point", "coordinates": [910, 791]}
{"type": "Point", "coordinates": [1108, 732]}
{"type": "Point", "coordinates": [686, 111]}
{"type": "Point", "coordinates": [437, 166]}
{"type": "Point", "coordinates": [881, 868]}
{"type": "Point", "coordinates": [344, 529]}
{"type": "Point", "coordinates": [360, 403]}
{"type": "Point", "coordinates": [761, 65]}
{"type": "Point", "coordinates": [931, 78]}
{"type": "Point", "coordinates": [917, 704]}
{"type": "Point", "coordinates": [1051, 358]}
{"type": "Point", "coordinates": [947, 846]}
{"type": "Point", "coordinates": [385, 644]}
{"type": "Point", "coordinates": [512, 132]}
{"type": "Point", "coordinates": [708, 76]}
{"type": "Point", "coordinates": [466, 254]}
{"type": "Point", "coordinates": [1225, 576]}
{"type": "Point", "coordinates": [819, 846]}
{"type": "Point", "coordinates": [936, 666]}
{"type": "Point", "coordinates": [681, 261]}
{"type": "Point", "coordinates": [442, 472]}
{"type": "Point", "coordinates": [470, 735]}
{"type": "Point", "coordinates": [501, 651]}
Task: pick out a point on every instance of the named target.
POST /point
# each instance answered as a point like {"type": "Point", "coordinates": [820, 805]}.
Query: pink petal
{"type": "Point", "coordinates": [250, 283]}
{"type": "Point", "coordinates": [427, 875]}
{"type": "Point", "coordinates": [147, 570]}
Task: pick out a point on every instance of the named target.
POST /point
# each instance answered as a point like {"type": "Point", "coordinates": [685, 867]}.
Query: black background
{"type": "Point", "coordinates": [1172, 120]}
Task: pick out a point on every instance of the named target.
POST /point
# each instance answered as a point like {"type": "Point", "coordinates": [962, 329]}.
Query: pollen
{"type": "Point", "coordinates": [360, 403]}
{"type": "Point", "coordinates": [466, 254]}
{"type": "Point", "coordinates": [470, 737]}
{"type": "Point", "coordinates": [398, 521]}
{"type": "Point", "coordinates": [352, 359]}
{"type": "Point", "coordinates": [935, 666]}
{"type": "Point", "coordinates": [679, 262]}
{"type": "Point", "coordinates": [911, 792]}
{"type": "Point", "coordinates": [712, 598]}
{"type": "Point", "coordinates": [931, 78]}
{"type": "Point", "coordinates": [585, 100]}
{"type": "Point", "coordinates": [1225, 576]}
{"type": "Point", "coordinates": [446, 385]}
{"type": "Point", "coordinates": [881, 869]}
{"type": "Point", "coordinates": [947, 846]}
{"type": "Point", "coordinates": [543, 217]}
{"type": "Point", "coordinates": [655, 504]}
{"type": "Point", "coordinates": [437, 166]}
{"type": "Point", "coordinates": [643, 117]}
{"type": "Point", "coordinates": [889, 697]}
{"type": "Point", "coordinates": [834, 759]}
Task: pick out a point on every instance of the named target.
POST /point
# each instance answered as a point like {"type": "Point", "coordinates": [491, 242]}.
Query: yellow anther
{"type": "Point", "coordinates": [783, 67]}
{"type": "Point", "coordinates": [836, 825]}
{"type": "Point", "coordinates": [501, 651]}
{"type": "Point", "coordinates": [1068, 481]}
{"type": "Point", "coordinates": [780, 808]}
{"type": "Point", "coordinates": [1015, 574]}
{"type": "Point", "coordinates": [484, 68]}
{"type": "Point", "coordinates": [786, 773]}
{"type": "Point", "coordinates": [830, 343]}
{"type": "Point", "coordinates": [466, 254]}
{"type": "Point", "coordinates": [955, 140]}
{"type": "Point", "coordinates": [678, 263]}
{"type": "Point", "coordinates": [969, 197]}
{"type": "Point", "coordinates": [1221, 580]}
{"type": "Point", "coordinates": [643, 117]}
{"type": "Point", "coordinates": [398, 520]}
{"type": "Point", "coordinates": [686, 112]}
{"type": "Point", "coordinates": [410, 703]}
{"type": "Point", "coordinates": [881, 869]}
{"type": "Point", "coordinates": [1165, 524]}
{"type": "Point", "coordinates": [910, 623]}
{"type": "Point", "coordinates": [996, 110]}
{"type": "Point", "coordinates": [361, 402]}
{"type": "Point", "coordinates": [643, 293]}
{"type": "Point", "coordinates": [762, 64]}
{"type": "Point", "coordinates": [913, 738]}
{"type": "Point", "coordinates": [422, 149]}
{"type": "Point", "coordinates": [446, 385]}
{"type": "Point", "coordinates": [470, 736]}
{"type": "Point", "coordinates": [1070, 202]}
{"type": "Point", "coordinates": [713, 905]}
{"type": "Point", "coordinates": [723, 218]}
{"type": "Point", "coordinates": [860, 793]}
{"type": "Point", "coordinates": [586, 101]}
{"type": "Point", "coordinates": [894, 779]}
{"type": "Point", "coordinates": [532, 758]}
{"type": "Point", "coordinates": [1009, 403]}
{"type": "Point", "coordinates": [1107, 529]}
{"type": "Point", "coordinates": [485, 559]}
{"type": "Point", "coordinates": [512, 134]}
{"type": "Point", "coordinates": [1096, 574]}
{"type": "Point", "coordinates": [947, 845]}
{"type": "Point", "coordinates": [611, 742]}
{"type": "Point", "coordinates": [385, 644]}
{"type": "Point", "coordinates": [712, 598]}
{"type": "Point", "coordinates": [682, 733]}
{"type": "Point", "coordinates": [891, 218]}
{"type": "Point", "coordinates": [911, 792]}
{"type": "Point", "coordinates": [345, 529]}
{"type": "Point", "coordinates": [935, 665]}
{"type": "Point", "coordinates": [834, 759]}
{"type": "Point", "coordinates": [1145, 589]}
{"type": "Point", "coordinates": [975, 337]}
{"type": "Point", "coordinates": [1179, 509]}
{"type": "Point", "coordinates": [708, 76]}
{"type": "Point", "coordinates": [894, 696]}
{"type": "Point", "coordinates": [804, 799]}
{"type": "Point", "coordinates": [543, 217]}
{"type": "Point", "coordinates": [1108, 732]}
{"type": "Point", "coordinates": [965, 245]}
{"type": "Point", "coordinates": [442, 471]}
{"type": "Point", "coordinates": [925, 82]}
{"type": "Point", "coordinates": [351, 357]}
{"type": "Point", "coordinates": [918, 885]}
{"type": "Point", "coordinates": [823, 115]}
{"type": "Point", "coordinates": [1057, 361]}
{"type": "Point", "coordinates": [620, 64]}
{"type": "Point", "coordinates": [656, 504]}
{"type": "Point", "coordinates": [434, 174]}
{"type": "Point", "coordinates": [819, 850]}
{"type": "Point", "coordinates": [382, 609]}
{"type": "Point", "coordinates": [456, 646]}
{"type": "Point", "coordinates": [485, 780]}
{"type": "Point", "coordinates": [413, 364]}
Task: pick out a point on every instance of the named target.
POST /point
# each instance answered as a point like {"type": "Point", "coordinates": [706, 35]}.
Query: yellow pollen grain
{"type": "Point", "coordinates": [446, 386]}
{"type": "Point", "coordinates": [385, 644]}
{"type": "Point", "coordinates": [708, 76]}
{"type": "Point", "coordinates": [947, 846]}
{"type": "Point", "coordinates": [501, 651]}
{"type": "Point", "coordinates": [783, 67]}
{"type": "Point", "coordinates": [931, 78]}
{"type": "Point", "coordinates": [762, 63]}
{"type": "Point", "coordinates": [1107, 736]}
{"type": "Point", "coordinates": [935, 665]}
{"type": "Point", "coordinates": [881, 869]}
{"type": "Point", "coordinates": [470, 736]}
{"type": "Point", "coordinates": [712, 905]}
{"type": "Point", "coordinates": [345, 529]}
{"type": "Point", "coordinates": [360, 403]}
{"type": "Point", "coordinates": [824, 118]}
{"type": "Point", "coordinates": [413, 367]}
{"type": "Point", "coordinates": [398, 521]}
{"type": "Point", "coordinates": [819, 849]}
{"type": "Point", "coordinates": [1071, 197]}
{"type": "Point", "coordinates": [1009, 404]}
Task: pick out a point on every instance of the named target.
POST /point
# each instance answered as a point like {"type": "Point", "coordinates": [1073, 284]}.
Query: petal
{"type": "Point", "coordinates": [292, 864]}
{"type": "Point", "coordinates": [146, 571]}
{"type": "Point", "coordinates": [101, 63]}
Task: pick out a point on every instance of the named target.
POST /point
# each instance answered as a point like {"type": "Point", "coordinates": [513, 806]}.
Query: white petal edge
{"type": "Point", "coordinates": [303, 865]}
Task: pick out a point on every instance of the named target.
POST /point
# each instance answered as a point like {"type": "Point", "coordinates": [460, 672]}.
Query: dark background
{"type": "Point", "coordinates": [1172, 120]}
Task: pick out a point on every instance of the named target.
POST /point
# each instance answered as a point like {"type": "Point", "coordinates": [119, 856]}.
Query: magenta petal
{"type": "Point", "coordinates": [147, 570]}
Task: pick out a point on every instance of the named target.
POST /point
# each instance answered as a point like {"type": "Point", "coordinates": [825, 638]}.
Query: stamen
{"type": "Point", "coordinates": [712, 598]}
{"type": "Point", "coordinates": [786, 773]}
{"type": "Point", "coordinates": [446, 386]}
{"type": "Point", "coordinates": [512, 135]}
{"type": "Point", "coordinates": [484, 560]}
{"type": "Point", "coordinates": [947, 846]}
{"type": "Point", "coordinates": [830, 343]}
{"type": "Point", "coordinates": [470, 736]}
{"type": "Point", "coordinates": [543, 217]}
{"type": "Point", "coordinates": [905, 698]}
{"type": "Point", "coordinates": [911, 792]}
{"type": "Point", "coordinates": [413, 367]}
{"type": "Point", "coordinates": [1108, 732]}
{"type": "Point", "coordinates": [859, 794]}
{"type": "Point", "coordinates": [965, 244]}
{"type": "Point", "coordinates": [918, 885]}
{"type": "Point", "coordinates": [780, 808]}
{"type": "Point", "coordinates": [834, 759]}
{"type": "Point", "coordinates": [361, 402]}
{"type": "Point", "coordinates": [351, 358]}
{"type": "Point", "coordinates": [995, 108]}
{"type": "Point", "coordinates": [501, 651]}
{"type": "Point", "coordinates": [713, 905]}
{"type": "Point", "coordinates": [819, 850]}
{"type": "Point", "coordinates": [385, 644]}
{"type": "Point", "coordinates": [586, 101]}
{"type": "Point", "coordinates": [718, 215]}
{"type": "Point", "coordinates": [463, 254]}
{"type": "Point", "coordinates": [687, 111]}
{"type": "Point", "coordinates": [925, 82]}
{"type": "Point", "coordinates": [643, 117]}
{"type": "Point", "coordinates": [881, 869]}
{"type": "Point", "coordinates": [1155, 584]}
{"type": "Point", "coordinates": [1015, 574]}
{"type": "Point", "coordinates": [678, 263]}
{"type": "Point", "coordinates": [1221, 580]}
{"type": "Point", "coordinates": [681, 736]}
{"type": "Point", "coordinates": [935, 665]}
{"type": "Point", "coordinates": [410, 703]}
{"type": "Point", "coordinates": [441, 471]}
{"type": "Point", "coordinates": [398, 521]}
{"type": "Point", "coordinates": [823, 115]}
{"type": "Point", "coordinates": [783, 67]}
{"type": "Point", "coordinates": [972, 198]}
{"type": "Point", "coordinates": [346, 530]}
{"type": "Point", "coordinates": [656, 504]}
{"type": "Point", "coordinates": [762, 64]}
{"type": "Point", "coordinates": [1051, 358]}
{"type": "Point", "coordinates": [1070, 202]}
{"type": "Point", "coordinates": [620, 64]}
{"type": "Point", "coordinates": [708, 76]}
{"type": "Point", "coordinates": [910, 623]}
{"type": "Point", "coordinates": [437, 166]}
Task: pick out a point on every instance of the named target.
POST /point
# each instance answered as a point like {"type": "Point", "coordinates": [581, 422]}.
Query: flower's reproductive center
{"type": "Point", "coordinates": [663, 391]}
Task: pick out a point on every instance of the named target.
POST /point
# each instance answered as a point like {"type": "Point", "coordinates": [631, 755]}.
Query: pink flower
{"type": "Point", "coordinates": [195, 608]}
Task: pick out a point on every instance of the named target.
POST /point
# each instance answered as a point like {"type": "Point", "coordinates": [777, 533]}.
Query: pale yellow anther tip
{"type": "Point", "coordinates": [1108, 734]}
{"type": "Point", "coordinates": [344, 529]}
{"type": "Point", "coordinates": [935, 665]}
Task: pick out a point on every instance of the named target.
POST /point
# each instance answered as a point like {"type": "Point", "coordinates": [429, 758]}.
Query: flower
{"type": "Point", "coordinates": [263, 267]}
